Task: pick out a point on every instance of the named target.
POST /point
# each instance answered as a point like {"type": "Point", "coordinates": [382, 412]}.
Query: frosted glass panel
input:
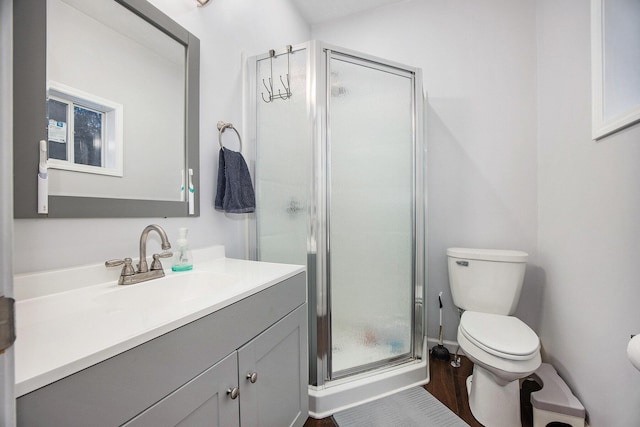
{"type": "Point", "coordinates": [621, 57]}
{"type": "Point", "coordinates": [370, 226]}
{"type": "Point", "coordinates": [283, 163]}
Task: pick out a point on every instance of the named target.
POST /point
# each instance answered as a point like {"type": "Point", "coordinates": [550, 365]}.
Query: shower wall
{"type": "Point", "coordinates": [338, 172]}
{"type": "Point", "coordinates": [284, 161]}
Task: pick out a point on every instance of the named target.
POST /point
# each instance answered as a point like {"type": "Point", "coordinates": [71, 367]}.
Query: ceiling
{"type": "Point", "coordinates": [320, 11]}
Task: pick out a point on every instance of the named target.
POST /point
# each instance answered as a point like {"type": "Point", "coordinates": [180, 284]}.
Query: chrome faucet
{"type": "Point", "coordinates": [129, 276]}
{"type": "Point", "coordinates": [142, 266]}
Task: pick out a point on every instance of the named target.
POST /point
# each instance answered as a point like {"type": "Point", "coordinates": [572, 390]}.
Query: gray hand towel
{"type": "Point", "coordinates": [234, 191]}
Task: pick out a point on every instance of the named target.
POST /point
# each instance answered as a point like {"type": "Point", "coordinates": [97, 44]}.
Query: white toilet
{"type": "Point", "coordinates": [486, 284]}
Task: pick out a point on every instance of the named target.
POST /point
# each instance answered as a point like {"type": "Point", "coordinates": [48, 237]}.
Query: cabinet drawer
{"type": "Point", "coordinates": [114, 391]}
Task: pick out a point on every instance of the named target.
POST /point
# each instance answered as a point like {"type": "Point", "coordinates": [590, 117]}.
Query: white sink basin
{"type": "Point", "coordinates": [167, 291]}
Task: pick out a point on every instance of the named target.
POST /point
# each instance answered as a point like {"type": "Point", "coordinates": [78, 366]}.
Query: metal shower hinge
{"type": "Point", "coordinates": [7, 323]}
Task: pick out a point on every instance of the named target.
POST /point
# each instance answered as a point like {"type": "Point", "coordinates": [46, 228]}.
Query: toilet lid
{"type": "Point", "coordinates": [503, 336]}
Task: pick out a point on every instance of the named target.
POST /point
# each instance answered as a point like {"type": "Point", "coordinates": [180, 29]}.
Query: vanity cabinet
{"type": "Point", "coordinates": [257, 345]}
{"type": "Point", "coordinates": [266, 372]}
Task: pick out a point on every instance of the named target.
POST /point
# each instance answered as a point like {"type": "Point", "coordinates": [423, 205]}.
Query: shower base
{"type": "Point", "coordinates": [337, 395]}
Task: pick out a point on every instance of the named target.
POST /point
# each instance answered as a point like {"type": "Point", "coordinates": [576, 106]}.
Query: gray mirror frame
{"type": "Point", "coordinates": [29, 109]}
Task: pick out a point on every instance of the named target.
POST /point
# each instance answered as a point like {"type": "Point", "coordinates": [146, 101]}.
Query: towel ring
{"type": "Point", "coordinates": [221, 127]}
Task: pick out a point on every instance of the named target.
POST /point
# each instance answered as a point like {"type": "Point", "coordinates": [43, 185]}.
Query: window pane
{"type": "Point", "coordinates": [57, 129]}
{"type": "Point", "coordinates": [87, 138]}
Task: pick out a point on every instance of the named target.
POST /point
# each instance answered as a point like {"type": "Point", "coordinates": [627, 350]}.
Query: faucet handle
{"type": "Point", "coordinates": [157, 264]}
{"type": "Point", "coordinates": [127, 270]}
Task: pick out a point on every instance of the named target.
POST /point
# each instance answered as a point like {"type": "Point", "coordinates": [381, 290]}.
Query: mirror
{"type": "Point", "coordinates": [117, 107]}
{"type": "Point", "coordinates": [615, 55]}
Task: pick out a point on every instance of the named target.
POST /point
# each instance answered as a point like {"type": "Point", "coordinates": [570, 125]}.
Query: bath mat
{"type": "Point", "coordinates": [414, 407]}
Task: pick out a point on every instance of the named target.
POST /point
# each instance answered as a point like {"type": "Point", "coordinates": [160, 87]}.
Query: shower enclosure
{"type": "Point", "coordinates": [339, 154]}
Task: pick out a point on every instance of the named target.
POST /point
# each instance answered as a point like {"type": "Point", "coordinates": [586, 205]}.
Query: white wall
{"type": "Point", "coordinates": [225, 29]}
{"type": "Point", "coordinates": [589, 225]}
{"type": "Point", "coordinates": [478, 60]}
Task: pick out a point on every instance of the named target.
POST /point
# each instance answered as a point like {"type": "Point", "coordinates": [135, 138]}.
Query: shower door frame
{"type": "Point", "coordinates": [324, 53]}
{"type": "Point", "coordinates": [318, 247]}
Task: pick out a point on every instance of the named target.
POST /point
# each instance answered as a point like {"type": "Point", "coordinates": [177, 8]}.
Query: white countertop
{"type": "Point", "coordinates": [64, 325]}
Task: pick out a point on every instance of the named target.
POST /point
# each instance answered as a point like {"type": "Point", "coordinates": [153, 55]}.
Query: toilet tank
{"type": "Point", "coordinates": [486, 280]}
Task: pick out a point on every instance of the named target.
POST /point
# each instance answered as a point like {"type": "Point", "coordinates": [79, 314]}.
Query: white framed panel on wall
{"type": "Point", "coordinates": [615, 56]}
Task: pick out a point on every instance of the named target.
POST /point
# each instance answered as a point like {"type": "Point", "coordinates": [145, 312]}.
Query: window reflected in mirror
{"type": "Point", "coordinates": [84, 132]}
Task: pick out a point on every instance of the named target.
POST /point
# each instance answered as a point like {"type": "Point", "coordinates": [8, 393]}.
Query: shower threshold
{"type": "Point", "coordinates": [337, 395]}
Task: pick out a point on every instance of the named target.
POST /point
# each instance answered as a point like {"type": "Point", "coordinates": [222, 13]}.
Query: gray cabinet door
{"type": "Point", "coordinates": [278, 357]}
{"type": "Point", "coordinates": [201, 402]}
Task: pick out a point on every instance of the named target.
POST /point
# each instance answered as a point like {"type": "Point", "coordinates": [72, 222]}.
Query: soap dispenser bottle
{"type": "Point", "coordinates": [182, 260]}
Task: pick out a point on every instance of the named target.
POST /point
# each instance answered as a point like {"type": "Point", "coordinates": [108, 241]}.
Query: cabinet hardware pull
{"type": "Point", "coordinates": [253, 377]}
{"type": "Point", "coordinates": [233, 393]}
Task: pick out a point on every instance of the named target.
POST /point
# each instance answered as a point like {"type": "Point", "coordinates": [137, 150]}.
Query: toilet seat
{"type": "Point", "coordinates": [502, 336]}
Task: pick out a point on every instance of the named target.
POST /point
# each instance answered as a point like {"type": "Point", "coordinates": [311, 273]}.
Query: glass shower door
{"type": "Point", "coordinates": [370, 214]}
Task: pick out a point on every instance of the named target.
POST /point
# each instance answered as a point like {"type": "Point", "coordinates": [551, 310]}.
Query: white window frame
{"type": "Point", "coordinates": [601, 125]}
{"type": "Point", "coordinates": [112, 130]}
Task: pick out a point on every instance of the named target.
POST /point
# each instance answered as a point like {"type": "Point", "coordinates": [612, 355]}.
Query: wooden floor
{"type": "Point", "coordinates": [448, 385]}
